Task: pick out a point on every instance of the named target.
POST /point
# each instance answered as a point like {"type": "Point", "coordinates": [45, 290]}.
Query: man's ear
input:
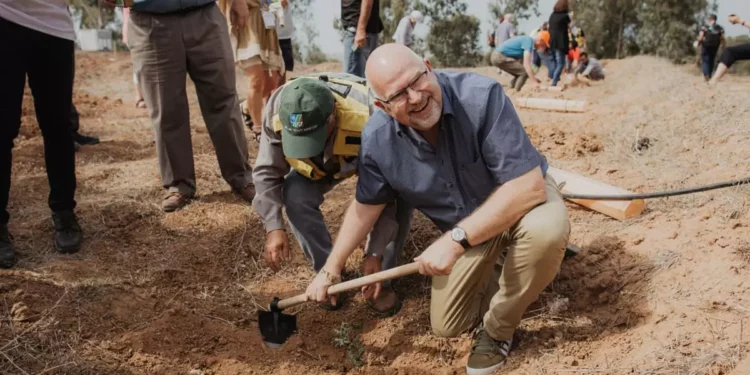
{"type": "Point", "coordinates": [427, 62]}
{"type": "Point", "coordinates": [379, 104]}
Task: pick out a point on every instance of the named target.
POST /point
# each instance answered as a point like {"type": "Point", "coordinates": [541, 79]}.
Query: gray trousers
{"type": "Point", "coordinates": [302, 200]}
{"type": "Point", "coordinates": [166, 47]}
{"type": "Point", "coordinates": [512, 66]}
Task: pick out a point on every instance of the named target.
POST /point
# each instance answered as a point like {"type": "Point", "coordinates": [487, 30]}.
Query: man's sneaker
{"type": "Point", "coordinates": [68, 234]}
{"type": "Point", "coordinates": [7, 252]}
{"type": "Point", "coordinates": [84, 140]}
{"type": "Point", "coordinates": [247, 193]}
{"type": "Point", "coordinates": [487, 354]}
{"type": "Point", "coordinates": [174, 201]}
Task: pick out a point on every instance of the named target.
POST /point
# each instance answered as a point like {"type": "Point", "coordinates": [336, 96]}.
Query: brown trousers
{"type": "Point", "coordinates": [511, 66]}
{"type": "Point", "coordinates": [166, 47]}
{"type": "Point", "coordinates": [497, 280]}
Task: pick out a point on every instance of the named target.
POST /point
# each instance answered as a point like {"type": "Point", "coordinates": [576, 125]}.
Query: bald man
{"type": "Point", "coordinates": [451, 145]}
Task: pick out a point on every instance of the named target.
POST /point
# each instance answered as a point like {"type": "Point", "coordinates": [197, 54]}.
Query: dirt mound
{"type": "Point", "coordinates": [154, 293]}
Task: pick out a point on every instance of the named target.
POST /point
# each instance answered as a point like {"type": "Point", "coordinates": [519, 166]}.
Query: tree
{"type": "Point", "coordinates": [304, 45]}
{"type": "Point", "coordinates": [454, 35]}
{"type": "Point", "coordinates": [617, 28]}
{"type": "Point", "coordinates": [521, 9]}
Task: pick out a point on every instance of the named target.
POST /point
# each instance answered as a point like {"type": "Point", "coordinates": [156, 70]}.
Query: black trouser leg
{"type": "Point", "coordinates": [12, 82]}
{"type": "Point", "coordinates": [49, 63]}
{"type": "Point", "coordinates": [51, 82]}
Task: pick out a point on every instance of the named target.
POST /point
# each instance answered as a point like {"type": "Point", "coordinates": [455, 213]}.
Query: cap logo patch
{"type": "Point", "coordinates": [295, 120]}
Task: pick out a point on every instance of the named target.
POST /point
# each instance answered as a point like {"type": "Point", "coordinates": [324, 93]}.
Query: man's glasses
{"type": "Point", "coordinates": [400, 97]}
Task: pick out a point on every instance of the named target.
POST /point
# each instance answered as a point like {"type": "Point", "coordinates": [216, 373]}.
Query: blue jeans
{"type": "Point", "coordinates": [547, 60]}
{"type": "Point", "coordinates": [354, 62]}
{"type": "Point", "coordinates": [708, 60]}
{"type": "Point", "coordinates": [558, 58]}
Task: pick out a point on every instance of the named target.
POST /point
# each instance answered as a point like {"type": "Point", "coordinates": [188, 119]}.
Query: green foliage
{"type": "Point", "coordinates": [304, 42]}
{"type": "Point", "coordinates": [521, 9]}
{"type": "Point", "coordinates": [452, 41]}
{"type": "Point", "coordinates": [453, 37]}
{"type": "Point", "coordinates": [617, 28]}
{"type": "Point", "coordinates": [93, 14]}
{"type": "Point", "coordinates": [345, 338]}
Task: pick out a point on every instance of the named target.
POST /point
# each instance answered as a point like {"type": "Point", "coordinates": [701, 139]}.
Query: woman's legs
{"type": "Point", "coordinates": [729, 57]}
{"type": "Point", "coordinates": [257, 78]}
{"type": "Point", "coordinates": [558, 56]}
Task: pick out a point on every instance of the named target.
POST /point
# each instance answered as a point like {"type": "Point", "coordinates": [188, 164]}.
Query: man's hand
{"type": "Point", "coordinates": [359, 38]}
{"type": "Point", "coordinates": [239, 14]}
{"type": "Point", "coordinates": [439, 258]}
{"type": "Point", "coordinates": [318, 288]}
{"type": "Point", "coordinates": [734, 19]}
{"type": "Point", "coordinates": [370, 265]}
{"type": "Point", "coordinates": [277, 249]}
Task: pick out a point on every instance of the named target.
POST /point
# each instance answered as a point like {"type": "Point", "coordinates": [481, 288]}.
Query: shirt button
{"type": "Point", "coordinates": [461, 208]}
{"type": "Point", "coordinates": [450, 185]}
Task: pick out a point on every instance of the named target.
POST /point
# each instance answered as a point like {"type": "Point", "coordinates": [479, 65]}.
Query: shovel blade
{"type": "Point", "coordinates": [276, 327]}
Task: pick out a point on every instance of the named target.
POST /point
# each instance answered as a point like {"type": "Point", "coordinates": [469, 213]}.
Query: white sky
{"type": "Point", "coordinates": [325, 11]}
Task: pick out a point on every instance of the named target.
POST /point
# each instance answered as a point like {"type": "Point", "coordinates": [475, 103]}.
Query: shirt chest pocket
{"type": "Point", "coordinates": [476, 180]}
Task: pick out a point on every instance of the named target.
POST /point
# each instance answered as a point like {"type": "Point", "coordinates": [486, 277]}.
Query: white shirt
{"type": "Point", "coordinates": [47, 16]}
{"type": "Point", "coordinates": [404, 32]}
{"type": "Point", "coordinates": [286, 32]}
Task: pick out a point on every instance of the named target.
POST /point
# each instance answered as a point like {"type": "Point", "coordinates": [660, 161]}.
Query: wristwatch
{"type": "Point", "coordinates": [458, 234]}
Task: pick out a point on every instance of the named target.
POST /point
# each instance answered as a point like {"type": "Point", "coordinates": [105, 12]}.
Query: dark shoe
{"type": "Point", "coordinates": [247, 193]}
{"type": "Point", "coordinates": [68, 235]}
{"type": "Point", "coordinates": [340, 301]}
{"type": "Point", "coordinates": [487, 354]}
{"type": "Point", "coordinates": [174, 201]}
{"type": "Point", "coordinates": [7, 252]}
{"type": "Point", "coordinates": [387, 304]}
{"type": "Point", "coordinates": [84, 140]}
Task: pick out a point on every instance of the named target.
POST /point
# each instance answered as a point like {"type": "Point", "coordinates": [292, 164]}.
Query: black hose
{"type": "Point", "coordinates": [668, 193]}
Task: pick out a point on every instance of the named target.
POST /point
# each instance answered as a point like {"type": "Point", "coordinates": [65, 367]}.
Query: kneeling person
{"type": "Point", "coordinates": [313, 124]}
{"type": "Point", "coordinates": [473, 171]}
{"type": "Point", "coordinates": [589, 69]}
{"type": "Point", "coordinates": [514, 57]}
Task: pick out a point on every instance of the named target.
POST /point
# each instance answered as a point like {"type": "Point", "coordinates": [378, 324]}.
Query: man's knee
{"type": "Point", "coordinates": [548, 230]}
{"type": "Point", "coordinates": [727, 57]}
{"type": "Point", "coordinates": [447, 328]}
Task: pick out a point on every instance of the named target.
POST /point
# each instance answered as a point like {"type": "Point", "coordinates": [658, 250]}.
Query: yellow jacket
{"type": "Point", "coordinates": [352, 112]}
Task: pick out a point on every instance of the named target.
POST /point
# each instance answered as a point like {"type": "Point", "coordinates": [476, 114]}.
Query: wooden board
{"type": "Point", "coordinates": [558, 105]}
{"type": "Point", "coordinates": [577, 184]}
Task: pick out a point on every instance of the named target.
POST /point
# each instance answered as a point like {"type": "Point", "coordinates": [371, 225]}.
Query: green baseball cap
{"type": "Point", "coordinates": [306, 104]}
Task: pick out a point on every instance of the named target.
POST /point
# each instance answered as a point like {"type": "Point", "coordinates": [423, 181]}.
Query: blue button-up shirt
{"type": "Point", "coordinates": [166, 6]}
{"type": "Point", "coordinates": [481, 146]}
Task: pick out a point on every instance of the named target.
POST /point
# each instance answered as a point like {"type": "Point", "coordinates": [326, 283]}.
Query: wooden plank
{"type": "Point", "coordinates": [577, 184]}
{"type": "Point", "coordinates": [558, 105]}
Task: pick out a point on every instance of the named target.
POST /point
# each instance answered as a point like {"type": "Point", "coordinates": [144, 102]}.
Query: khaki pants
{"type": "Point", "coordinates": [512, 66]}
{"type": "Point", "coordinates": [497, 280]}
{"type": "Point", "coordinates": [167, 47]}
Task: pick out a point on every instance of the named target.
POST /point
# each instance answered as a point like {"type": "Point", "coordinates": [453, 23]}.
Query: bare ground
{"type": "Point", "coordinates": [154, 293]}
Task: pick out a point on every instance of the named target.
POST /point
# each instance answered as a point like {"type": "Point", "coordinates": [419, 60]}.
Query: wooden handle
{"type": "Point", "coordinates": [346, 286]}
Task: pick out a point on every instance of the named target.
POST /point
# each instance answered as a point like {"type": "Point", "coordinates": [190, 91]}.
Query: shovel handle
{"type": "Point", "coordinates": [357, 283]}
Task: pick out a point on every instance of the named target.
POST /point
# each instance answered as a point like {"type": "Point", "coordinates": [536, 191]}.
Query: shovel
{"type": "Point", "coordinates": [276, 327]}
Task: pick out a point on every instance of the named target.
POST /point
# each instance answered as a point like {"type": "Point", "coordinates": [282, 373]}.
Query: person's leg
{"type": "Point", "coordinates": [705, 61]}
{"type": "Point", "coordinates": [354, 60]}
{"type": "Point", "coordinates": [13, 77]}
{"type": "Point", "coordinates": [559, 58]}
{"type": "Point", "coordinates": [51, 72]}
{"type": "Point", "coordinates": [371, 44]}
{"type": "Point", "coordinates": [210, 63]}
{"type": "Point", "coordinates": [535, 251]}
{"type": "Point", "coordinates": [302, 200]}
{"type": "Point", "coordinates": [158, 53]}
{"type": "Point", "coordinates": [728, 58]}
{"type": "Point", "coordinates": [256, 78]}
{"type": "Point", "coordinates": [78, 138]}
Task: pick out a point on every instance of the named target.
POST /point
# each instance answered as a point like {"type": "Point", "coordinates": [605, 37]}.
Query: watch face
{"type": "Point", "coordinates": [458, 234]}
